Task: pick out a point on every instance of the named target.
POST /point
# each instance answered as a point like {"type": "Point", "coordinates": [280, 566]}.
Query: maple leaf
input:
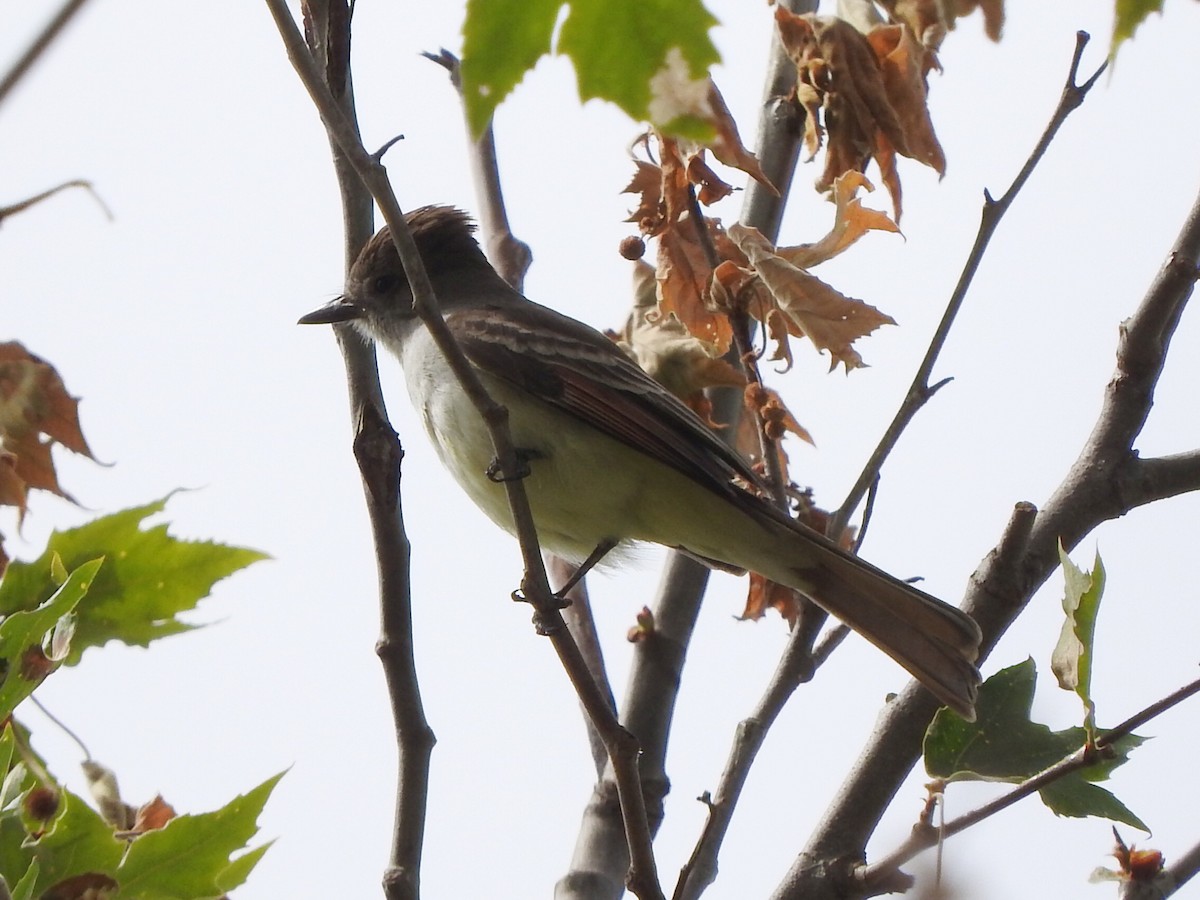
{"type": "Point", "coordinates": [668, 352]}
{"type": "Point", "coordinates": [926, 18]}
{"type": "Point", "coordinates": [35, 413]}
{"type": "Point", "coordinates": [727, 146]}
{"type": "Point", "coordinates": [993, 14]}
{"type": "Point", "coordinates": [795, 302]}
{"type": "Point", "coordinates": [839, 66]}
{"type": "Point", "coordinates": [906, 65]}
{"type": "Point", "coordinates": [683, 277]}
{"type": "Point", "coordinates": [764, 595]}
{"type": "Point", "coordinates": [851, 221]}
{"type": "Point", "coordinates": [647, 183]}
{"type": "Point", "coordinates": [865, 98]}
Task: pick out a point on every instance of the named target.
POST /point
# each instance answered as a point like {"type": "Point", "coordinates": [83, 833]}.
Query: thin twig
{"type": "Point", "coordinates": [87, 754]}
{"type": "Point", "coordinates": [594, 695]}
{"type": "Point", "coordinates": [510, 256]}
{"type": "Point", "coordinates": [22, 205]}
{"type": "Point", "coordinates": [1090, 493]}
{"type": "Point", "coordinates": [622, 747]}
{"type": "Point", "coordinates": [378, 453]}
{"type": "Point", "coordinates": [921, 391]}
{"type": "Point", "coordinates": [777, 145]}
{"type": "Point", "coordinates": [579, 619]}
{"type": "Point", "coordinates": [34, 51]}
{"type": "Point", "coordinates": [921, 838]}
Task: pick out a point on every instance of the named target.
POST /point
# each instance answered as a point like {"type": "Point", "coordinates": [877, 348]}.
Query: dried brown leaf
{"type": "Point", "coordinates": [668, 352]}
{"type": "Point", "coordinates": [764, 595]}
{"type": "Point", "coordinates": [905, 65]}
{"type": "Point", "coordinates": [153, 815]}
{"type": "Point", "coordinates": [993, 14]}
{"type": "Point", "coordinates": [851, 221]}
{"type": "Point", "coordinates": [809, 306]}
{"type": "Point", "coordinates": [35, 412]}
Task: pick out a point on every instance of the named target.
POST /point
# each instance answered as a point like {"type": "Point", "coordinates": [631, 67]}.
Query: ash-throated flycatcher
{"type": "Point", "coordinates": [613, 456]}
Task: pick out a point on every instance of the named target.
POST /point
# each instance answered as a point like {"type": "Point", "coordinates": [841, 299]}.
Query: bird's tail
{"type": "Point", "coordinates": [935, 642]}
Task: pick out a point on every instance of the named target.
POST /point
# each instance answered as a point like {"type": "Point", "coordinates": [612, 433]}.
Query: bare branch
{"type": "Point", "coordinates": [510, 256]}
{"type": "Point", "coordinates": [1090, 493]}
{"type": "Point", "coordinates": [34, 51]}
{"type": "Point", "coordinates": [22, 205]}
{"type": "Point", "coordinates": [993, 211]}
{"type": "Point", "coordinates": [578, 616]}
{"type": "Point", "coordinates": [376, 449]}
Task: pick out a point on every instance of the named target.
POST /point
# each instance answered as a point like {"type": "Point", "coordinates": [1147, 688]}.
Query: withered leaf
{"type": "Point", "coordinates": [993, 14]}
{"type": "Point", "coordinates": [851, 221]}
{"type": "Point", "coordinates": [809, 306]}
{"type": "Point", "coordinates": [763, 595]}
{"type": "Point", "coordinates": [905, 65]}
{"type": "Point", "coordinates": [35, 412]}
{"type": "Point", "coordinates": [924, 17]}
{"type": "Point", "coordinates": [153, 815]}
{"type": "Point", "coordinates": [683, 276]}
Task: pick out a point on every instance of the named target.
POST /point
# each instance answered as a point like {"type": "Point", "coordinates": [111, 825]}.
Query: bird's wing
{"type": "Point", "coordinates": [581, 372]}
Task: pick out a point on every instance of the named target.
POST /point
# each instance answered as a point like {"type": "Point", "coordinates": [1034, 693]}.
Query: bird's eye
{"type": "Point", "coordinates": [383, 283]}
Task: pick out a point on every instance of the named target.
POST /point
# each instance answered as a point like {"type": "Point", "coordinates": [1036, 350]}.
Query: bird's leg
{"type": "Point", "coordinates": [495, 472]}
{"type": "Point", "coordinates": [586, 566]}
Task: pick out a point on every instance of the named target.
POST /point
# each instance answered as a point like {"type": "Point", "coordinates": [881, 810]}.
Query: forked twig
{"type": "Point", "coordinates": [921, 390]}
{"type": "Point", "coordinates": [621, 746]}
{"type": "Point", "coordinates": [799, 661]}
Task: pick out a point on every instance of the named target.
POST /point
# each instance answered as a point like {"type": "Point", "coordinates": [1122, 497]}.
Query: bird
{"type": "Point", "coordinates": [612, 458]}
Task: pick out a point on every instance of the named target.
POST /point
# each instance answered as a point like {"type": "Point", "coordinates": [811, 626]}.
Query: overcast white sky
{"type": "Point", "coordinates": [175, 324]}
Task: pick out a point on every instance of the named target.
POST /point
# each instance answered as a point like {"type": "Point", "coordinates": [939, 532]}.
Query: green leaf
{"type": "Point", "coordinates": [1129, 15]}
{"type": "Point", "coordinates": [1004, 744]}
{"type": "Point", "coordinates": [649, 57]}
{"type": "Point", "coordinates": [1077, 798]}
{"type": "Point", "coordinates": [23, 633]}
{"type": "Point", "coordinates": [618, 47]}
{"type": "Point", "coordinates": [190, 856]}
{"type": "Point", "coordinates": [147, 579]}
{"type": "Point", "coordinates": [502, 40]}
{"type": "Point", "coordinates": [238, 871]}
{"type": "Point", "coordinates": [24, 887]}
{"type": "Point", "coordinates": [1071, 660]}
{"type": "Point", "coordinates": [79, 841]}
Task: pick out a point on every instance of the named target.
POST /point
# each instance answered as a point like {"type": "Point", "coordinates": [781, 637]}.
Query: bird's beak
{"type": "Point", "coordinates": [338, 310]}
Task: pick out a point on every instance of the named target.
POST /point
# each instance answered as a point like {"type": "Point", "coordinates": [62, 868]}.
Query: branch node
{"type": "Point", "coordinates": [934, 388]}
{"type": "Point", "coordinates": [377, 156]}
{"type": "Point", "coordinates": [447, 61]}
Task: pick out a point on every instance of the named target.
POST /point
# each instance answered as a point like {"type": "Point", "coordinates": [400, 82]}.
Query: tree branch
{"type": "Point", "coordinates": [38, 46]}
{"type": "Point", "coordinates": [1007, 578]}
{"type": "Point", "coordinates": [921, 391]}
{"type": "Point", "coordinates": [622, 747]}
{"type": "Point", "coordinates": [376, 445]}
{"type": "Point", "coordinates": [925, 836]}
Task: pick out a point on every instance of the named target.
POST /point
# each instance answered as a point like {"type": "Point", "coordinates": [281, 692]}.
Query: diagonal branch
{"type": "Point", "coordinates": [1000, 588]}
{"type": "Point", "coordinates": [622, 747]}
{"type": "Point", "coordinates": [377, 451]}
{"type": "Point", "coordinates": [34, 51]}
{"type": "Point", "coordinates": [920, 392]}
{"type": "Point", "coordinates": [925, 836]}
